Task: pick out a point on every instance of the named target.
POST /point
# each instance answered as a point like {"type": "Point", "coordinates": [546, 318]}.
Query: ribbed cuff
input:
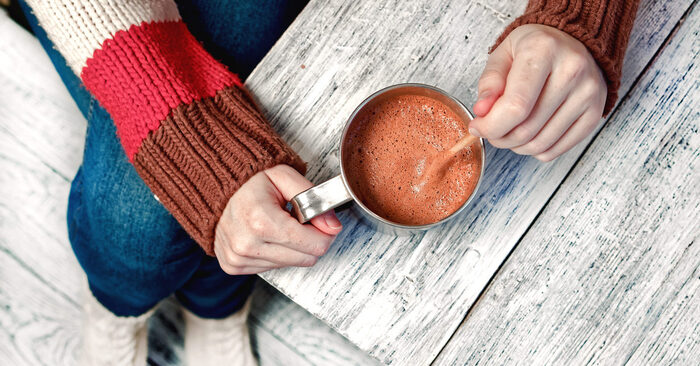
{"type": "Point", "coordinates": [203, 152]}
{"type": "Point", "coordinates": [602, 26]}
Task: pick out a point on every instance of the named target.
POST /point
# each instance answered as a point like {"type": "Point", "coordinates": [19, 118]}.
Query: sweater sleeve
{"type": "Point", "coordinates": [603, 26]}
{"type": "Point", "coordinates": [185, 121]}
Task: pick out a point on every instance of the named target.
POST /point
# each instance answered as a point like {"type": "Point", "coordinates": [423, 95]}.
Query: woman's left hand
{"type": "Point", "coordinates": [540, 94]}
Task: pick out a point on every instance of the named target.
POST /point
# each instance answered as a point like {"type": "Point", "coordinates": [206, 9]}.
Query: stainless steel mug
{"type": "Point", "coordinates": [336, 191]}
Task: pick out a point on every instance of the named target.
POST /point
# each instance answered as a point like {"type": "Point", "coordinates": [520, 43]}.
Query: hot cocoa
{"type": "Point", "coordinates": [385, 156]}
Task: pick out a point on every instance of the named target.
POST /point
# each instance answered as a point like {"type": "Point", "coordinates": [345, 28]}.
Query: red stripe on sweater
{"type": "Point", "coordinates": [141, 74]}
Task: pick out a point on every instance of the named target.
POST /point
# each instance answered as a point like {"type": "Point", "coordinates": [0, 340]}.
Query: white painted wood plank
{"type": "Point", "coordinates": [35, 107]}
{"type": "Point", "coordinates": [400, 299]}
{"type": "Point", "coordinates": [38, 325]}
{"type": "Point", "coordinates": [272, 351]}
{"type": "Point", "coordinates": [309, 338]}
{"type": "Point", "coordinates": [675, 337]}
{"type": "Point", "coordinates": [41, 134]}
{"type": "Point", "coordinates": [610, 272]}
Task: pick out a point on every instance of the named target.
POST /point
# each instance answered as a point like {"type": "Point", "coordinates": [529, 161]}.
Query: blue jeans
{"type": "Point", "coordinates": [133, 251]}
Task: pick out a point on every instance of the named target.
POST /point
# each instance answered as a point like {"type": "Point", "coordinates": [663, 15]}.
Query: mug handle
{"type": "Point", "coordinates": [319, 199]}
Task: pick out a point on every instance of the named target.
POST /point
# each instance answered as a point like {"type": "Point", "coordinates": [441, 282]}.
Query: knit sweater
{"type": "Point", "coordinates": [186, 122]}
{"type": "Point", "coordinates": [603, 26]}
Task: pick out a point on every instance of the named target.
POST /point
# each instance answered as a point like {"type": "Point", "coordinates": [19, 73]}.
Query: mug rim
{"type": "Point", "coordinates": [361, 204]}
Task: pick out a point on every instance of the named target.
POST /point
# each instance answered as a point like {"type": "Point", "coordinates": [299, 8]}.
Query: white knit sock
{"type": "Point", "coordinates": [210, 342]}
{"type": "Point", "coordinates": [113, 340]}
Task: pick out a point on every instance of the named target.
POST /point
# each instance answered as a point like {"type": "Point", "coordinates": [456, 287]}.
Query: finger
{"type": "Point", "coordinates": [302, 238]}
{"type": "Point", "coordinates": [275, 253]}
{"type": "Point", "coordinates": [562, 119]}
{"type": "Point", "coordinates": [554, 92]}
{"type": "Point", "coordinates": [327, 223]}
{"type": "Point", "coordinates": [287, 180]}
{"type": "Point", "coordinates": [290, 183]}
{"type": "Point", "coordinates": [229, 259]}
{"type": "Point", "coordinates": [220, 242]}
{"type": "Point", "coordinates": [493, 80]}
{"type": "Point", "coordinates": [235, 260]}
{"type": "Point", "coordinates": [523, 86]}
{"type": "Point", "coordinates": [575, 134]}
{"type": "Point", "coordinates": [235, 271]}
{"type": "Point", "coordinates": [271, 223]}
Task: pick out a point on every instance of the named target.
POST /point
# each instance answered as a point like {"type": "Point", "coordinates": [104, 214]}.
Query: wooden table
{"type": "Point", "coordinates": [589, 259]}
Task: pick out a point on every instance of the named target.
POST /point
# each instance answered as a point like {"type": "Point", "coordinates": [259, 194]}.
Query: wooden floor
{"type": "Point", "coordinates": [41, 138]}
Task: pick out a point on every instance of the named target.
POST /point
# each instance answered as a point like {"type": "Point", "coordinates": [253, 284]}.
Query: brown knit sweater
{"type": "Point", "coordinates": [603, 26]}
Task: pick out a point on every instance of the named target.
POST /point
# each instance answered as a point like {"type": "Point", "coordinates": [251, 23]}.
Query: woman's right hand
{"type": "Point", "coordinates": [255, 233]}
{"type": "Point", "coordinates": [541, 93]}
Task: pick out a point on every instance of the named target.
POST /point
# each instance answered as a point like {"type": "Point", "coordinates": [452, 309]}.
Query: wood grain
{"type": "Point", "coordinates": [38, 325]}
{"type": "Point", "coordinates": [41, 134]}
{"type": "Point", "coordinates": [610, 272]}
{"type": "Point", "coordinates": [303, 336]}
{"type": "Point", "coordinates": [272, 351]}
{"type": "Point", "coordinates": [401, 298]}
{"type": "Point", "coordinates": [41, 138]}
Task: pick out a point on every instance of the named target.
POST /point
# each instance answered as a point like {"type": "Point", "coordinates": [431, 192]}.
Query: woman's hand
{"type": "Point", "coordinates": [540, 94]}
{"type": "Point", "coordinates": [256, 234]}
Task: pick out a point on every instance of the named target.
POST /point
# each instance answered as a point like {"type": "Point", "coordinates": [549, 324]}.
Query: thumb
{"type": "Point", "coordinates": [290, 183]}
{"type": "Point", "coordinates": [493, 80]}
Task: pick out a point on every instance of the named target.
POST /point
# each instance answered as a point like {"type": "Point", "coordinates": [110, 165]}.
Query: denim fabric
{"type": "Point", "coordinates": [133, 251]}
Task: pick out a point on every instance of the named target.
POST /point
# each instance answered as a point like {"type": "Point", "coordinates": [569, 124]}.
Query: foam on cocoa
{"type": "Point", "coordinates": [385, 152]}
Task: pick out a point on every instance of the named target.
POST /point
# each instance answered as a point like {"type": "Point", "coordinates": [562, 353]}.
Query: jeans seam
{"type": "Point", "coordinates": [72, 226]}
{"type": "Point", "coordinates": [91, 108]}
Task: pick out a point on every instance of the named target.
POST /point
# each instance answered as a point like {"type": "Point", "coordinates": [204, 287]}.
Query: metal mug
{"type": "Point", "coordinates": [336, 191]}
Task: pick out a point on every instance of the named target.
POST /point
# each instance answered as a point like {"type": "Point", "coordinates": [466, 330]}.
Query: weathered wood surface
{"type": "Point", "coordinates": [41, 142]}
{"type": "Point", "coordinates": [401, 298]}
{"type": "Point", "coordinates": [308, 338]}
{"type": "Point", "coordinates": [610, 272]}
{"type": "Point", "coordinates": [41, 137]}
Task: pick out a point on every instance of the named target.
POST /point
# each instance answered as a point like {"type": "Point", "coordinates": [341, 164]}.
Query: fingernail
{"type": "Point", "coordinates": [474, 132]}
{"type": "Point", "coordinates": [333, 222]}
{"type": "Point", "coordinates": [483, 95]}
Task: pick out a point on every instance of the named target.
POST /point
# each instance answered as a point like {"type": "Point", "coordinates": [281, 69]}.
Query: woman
{"type": "Point", "coordinates": [183, 182]}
